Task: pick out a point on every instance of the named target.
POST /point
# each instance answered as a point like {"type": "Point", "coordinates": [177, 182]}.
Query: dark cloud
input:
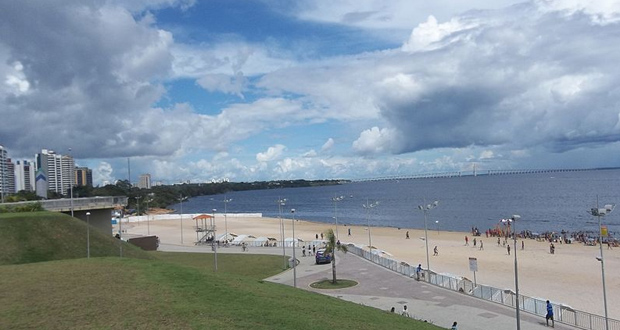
{"type": "Point", "coordinates": [93, 72]}
{"type": "Point", "coordinates": [520, 77]}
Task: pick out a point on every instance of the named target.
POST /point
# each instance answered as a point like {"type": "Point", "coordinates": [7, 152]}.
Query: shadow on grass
{"type": "Point", "coordinates": [328, 284]}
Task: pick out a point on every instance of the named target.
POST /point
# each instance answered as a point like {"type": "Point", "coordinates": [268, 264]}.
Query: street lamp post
{"type": "Point", "coordinates": [226, 201]}
{"type": "Point", "coordinates": [337, 199]}
{"type": "Point", "coordinates": [148, 218]}
{"type": "Point", "coordinates": [513, 222]}
{"type": "Point", "coordinates": [369, 206]}
{"type": "Point", "coordinates": [87, 234]}
{"type": "Point", "coordinates": [281, 203]}
{"type": "Point", "coordinates": [138, 203]}
{"type": "Point", "coordinates": [294, 258]}
{"type": "Point", "coordinates": [426, 208]}
{"type": "Point", "coordinates": [181, 199]}
{"type": "Point", "coordinates": [120, 234]}
{"type": "Point", "coordinates": [214, 242]}
{"type": "Point", "coordinates": [600, 212]}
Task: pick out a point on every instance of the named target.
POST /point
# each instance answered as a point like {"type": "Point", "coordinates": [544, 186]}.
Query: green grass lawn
{"type": "Point", "coordinates": [43, 236]}
{"type": "Point", "coordinates": [159, 291]}
{"type": "Point", "coordinates": [178, 291]}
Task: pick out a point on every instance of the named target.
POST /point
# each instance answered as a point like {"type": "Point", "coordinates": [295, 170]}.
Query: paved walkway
{"type": "Point", "coordinates": [382, 288]}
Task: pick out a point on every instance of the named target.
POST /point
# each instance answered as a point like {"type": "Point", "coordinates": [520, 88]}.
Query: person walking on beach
{"type": "Point", "coordinates": [552, 248]}
{"type": "Point", "coordinates": [407, 235]}
{"type": "Point", "coordinates": [481, 246]}
{"type": "Point", "coordinates": [349, 231]}
{"type": "Point", "coordinates": [522, 245]}
{"type": "Point", "coordinates": [435, 251]}
{"type": "Point", "coordinates": [508, 248]}
{"type": "Point", "coordinates": [454, 326]}
{"type": "Point", "coordinates": [498, 241]}
{"type": "Point", "coordinates": [474, 242]}
{"type": "Point", "coordinates": [550, 314]}
{"type": "Point", "coordinates": [466, 240]}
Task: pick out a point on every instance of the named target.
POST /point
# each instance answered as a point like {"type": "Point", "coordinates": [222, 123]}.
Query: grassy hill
{"type": "Point", "coordinates": [159, 291]}
{"type": "Point", "coordinates": [44, 236]}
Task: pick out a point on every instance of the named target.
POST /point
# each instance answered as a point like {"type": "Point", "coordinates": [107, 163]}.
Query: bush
{"type": "Point", "coordinates": [28, 207]}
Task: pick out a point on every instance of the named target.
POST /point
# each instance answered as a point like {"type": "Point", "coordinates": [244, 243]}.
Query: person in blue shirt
{"type": "Point", "coordinates": [550, 314]}
{"type": "Point", "coordinates": [418, 271]}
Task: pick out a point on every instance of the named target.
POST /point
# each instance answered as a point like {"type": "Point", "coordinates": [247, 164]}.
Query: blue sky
{"type": "Point", "coordinates": [196, 91]}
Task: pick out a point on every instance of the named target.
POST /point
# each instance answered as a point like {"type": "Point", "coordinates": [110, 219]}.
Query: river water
{"type": "Point", "coordinates": [545, 201]}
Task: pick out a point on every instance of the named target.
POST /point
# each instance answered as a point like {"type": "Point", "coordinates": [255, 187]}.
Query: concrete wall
{"type": "Point", "coordinates": [100, 219]}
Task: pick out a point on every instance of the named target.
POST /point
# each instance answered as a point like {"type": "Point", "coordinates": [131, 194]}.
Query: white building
{"type": "Point", "coordinates": [24, 175]}
{"type": "Point", "coordinates": [4, 173]}
{"type": "Point", "coordinates": [145, 181]}
{"type": "Point", "coordinates": [54, 173]}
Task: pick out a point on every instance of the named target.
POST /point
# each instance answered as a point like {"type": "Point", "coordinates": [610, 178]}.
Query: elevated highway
{"type": "Point", "coordinates": [99, 208]}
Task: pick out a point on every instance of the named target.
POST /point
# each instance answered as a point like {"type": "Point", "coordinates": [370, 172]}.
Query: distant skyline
{"type": "Point", "coordinates": [197, 91]}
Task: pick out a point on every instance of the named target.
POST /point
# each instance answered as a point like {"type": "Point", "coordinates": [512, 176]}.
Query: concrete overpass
{"type": "Point", "coordinates": [100, 208]}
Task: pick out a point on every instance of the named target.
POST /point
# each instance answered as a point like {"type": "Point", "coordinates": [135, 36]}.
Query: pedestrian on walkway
{"type": "Point", "coordinates": [418, 272]}
{"type": "Point", "coordinates": [466, 240]}
{"type": "Point", "coordinates": [313, 249]}
{"type": "Point", "coordinates": [405, 311]}
{"type": "Point", "coordinates": [474, 242]}
{"type": "Point", "coordinates": [508, 248]}
{"type": "Point", "coordinates": [550, 314]}
{"type": "Point", "coordinates": [349, 231]}
{"type": "Point", "coordinates": [522, 245]}
{"type": "Point", "coordinates": [481, 245]}
{"type": "Point", "coordinates": [407, 235]}
{"type": "Point", "coordinates": [498, 241]}
{"type": "Point", "coordinates": [454, 326]}
{"type": "Point", "coordinates": [435, 251]}
{"type": "Point", "coordinates": [303, 251]}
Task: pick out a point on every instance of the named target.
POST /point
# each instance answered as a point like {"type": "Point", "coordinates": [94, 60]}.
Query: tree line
{"type": "Point", "coordinates": [166, 195]}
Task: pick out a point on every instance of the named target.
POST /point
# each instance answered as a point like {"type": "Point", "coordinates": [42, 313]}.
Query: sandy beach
{"type": "Point", "coordinates": [571, 276]}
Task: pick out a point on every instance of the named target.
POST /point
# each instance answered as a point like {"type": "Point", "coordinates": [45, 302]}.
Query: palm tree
{"type": "Point", "coordinates": [332, 246]}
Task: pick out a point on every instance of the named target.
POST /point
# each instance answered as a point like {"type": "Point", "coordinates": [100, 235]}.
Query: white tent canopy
{"type": "Point", "coordinates": [242, 238]}
{"type": "Point", "coordinates": [259, 241]}
{"type": "Point", "coordinates": [289, 241]}
{"type": "Point", "coordinates": [224, 237]}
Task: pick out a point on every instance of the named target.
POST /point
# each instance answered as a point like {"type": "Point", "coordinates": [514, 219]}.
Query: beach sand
{"type": "Point", "coordinates": [571, 276]}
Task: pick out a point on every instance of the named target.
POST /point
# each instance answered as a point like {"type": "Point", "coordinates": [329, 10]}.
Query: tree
{"type": "Point", "coordinates": [332, 246]}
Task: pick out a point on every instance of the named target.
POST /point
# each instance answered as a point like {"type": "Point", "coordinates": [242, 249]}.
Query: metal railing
{"type": "Point", "coordinates": [82, 203]}
{"type": "Point", "coordinates": [562, 313]}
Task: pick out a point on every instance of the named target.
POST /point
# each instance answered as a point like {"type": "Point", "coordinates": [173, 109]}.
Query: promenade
{"type": "Point", "coordinates": [383, 289]}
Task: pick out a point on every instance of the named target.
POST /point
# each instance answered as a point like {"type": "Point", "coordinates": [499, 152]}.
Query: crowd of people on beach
{"type": "Point", "coordinates": [562, 237]}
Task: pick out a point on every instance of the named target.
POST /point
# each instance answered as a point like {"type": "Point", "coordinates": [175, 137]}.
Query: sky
{"type": "Point", "coordinates": [196, 91]}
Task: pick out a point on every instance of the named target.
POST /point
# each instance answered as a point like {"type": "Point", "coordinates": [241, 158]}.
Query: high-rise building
{"type": "Point", "coordinates": [54, 173]}
{"type": "Point", "coordinates": [145, 181]}
{"type": "Point", "coordinates": [83, 176]}
{"type": "Point", "coordinates": [24, 175]}
{"type": "Point", "coordinates": [10, 177]}
{"type": "Point", "coordinates": [4, 175]}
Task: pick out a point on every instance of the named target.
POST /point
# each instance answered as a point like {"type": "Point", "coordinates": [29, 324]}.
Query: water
{"type": "Point", "coordinates": [545, 202]}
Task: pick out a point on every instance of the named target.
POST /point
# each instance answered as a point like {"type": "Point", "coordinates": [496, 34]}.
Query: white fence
{"type": "Point", "coordinates": [563, 314]}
